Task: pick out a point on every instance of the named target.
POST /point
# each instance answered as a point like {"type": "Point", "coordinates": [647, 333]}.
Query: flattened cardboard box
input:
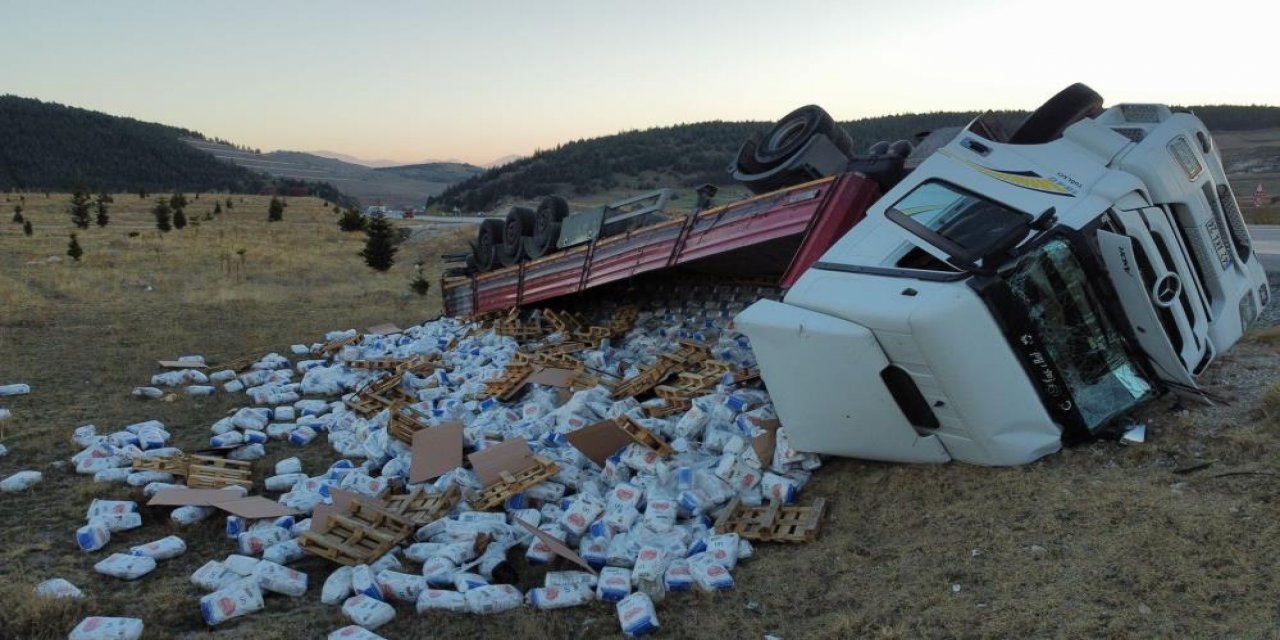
{"type": "Point", "coordinates": [250, 508]}
{"type": "Point", "coordinates": [556, 546]}
{"type": "Point", "coordinates": [510, 456]}
{"type": "Point", "coordinates": [599, 441]}
{"type": "Point", "coordinates": [384, 329]}
{"type": "Point", "coordinates": [436, 450]}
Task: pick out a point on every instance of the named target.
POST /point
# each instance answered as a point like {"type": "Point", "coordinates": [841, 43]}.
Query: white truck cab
{"type": "Point", "coordinates": [1012, 294]}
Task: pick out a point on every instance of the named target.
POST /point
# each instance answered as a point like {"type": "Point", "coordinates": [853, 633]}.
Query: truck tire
{"type": "Point", "coordinates": [1068, 107]}
{"type": "Point", "coordinates": [790, 134]}
{"type": "Point", "coordinates": [546, 227]}
{"type": "Point", "coordinates": [485, 249]}
{"type": "Point", "coordinates": [517, 226]}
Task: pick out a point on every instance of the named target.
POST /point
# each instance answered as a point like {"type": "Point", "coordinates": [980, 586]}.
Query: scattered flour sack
{"type": "Point", "coordinates": [494, 598]}
{"type": "Point", "coordinates": [99, 628]}
{"type": "Point", "coordinates": [637, 615]}
{"type": "Point", "coordinates": [93, 536]}
{"type": "Point", "coordinates": [57, 588]}
{"type": "Point", "coordinates": [337, 587]}
{"type": "Point", "coordinates": [560, 597]}
{"type": "Point", "coordinates": [213, 576]}
{"type": "Point", "coordinates": [21, 481]}
{"type": "Point", "coordinates": [352, 632]}
{"type": "Point", "coordinates": [279, 579]}
{"type": "Point", "coordinates": [240, 598]}
{"type": "Point", "coordinates": [126, 567]}
{"type": "Point", "coordinates": [162, 549]}
{"type": "Point", "coordinates": [368, 612]}
{"type": "Point", "coordinates": [441, 600]}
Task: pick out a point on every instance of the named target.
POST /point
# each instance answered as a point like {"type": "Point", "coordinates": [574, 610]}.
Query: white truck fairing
{"type": "Point", "coordinates": [1003, 298]}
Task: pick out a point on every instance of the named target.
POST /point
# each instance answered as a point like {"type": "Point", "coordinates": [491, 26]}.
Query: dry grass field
{"type": "Point", "coordinates": [1102, 540]}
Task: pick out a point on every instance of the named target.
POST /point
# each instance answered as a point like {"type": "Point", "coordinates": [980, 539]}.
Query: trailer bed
{"type": "Point", "coordinates": [777, 234]}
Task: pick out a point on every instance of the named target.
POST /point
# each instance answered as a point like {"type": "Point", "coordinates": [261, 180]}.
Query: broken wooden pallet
{"type": "Point", "coordinates": [511, 380]}
{"type": "Point", "coordinates": [389, 364]}
{"type": "Point", "coordinates": [360, 536]}
{"type": "Point", "coordinates": [208, 472]}
{"type": "Point", "coordinates": [643, 436]}
{"type": "Point", "coordinates": [513, 483]}
{"type": "Point", "coordinates": [562, 321]}
{"type": "Point", "coordinates": [333, 346]}
{"type": "Point", "coordinates": [176, 465]}
{"type": "Point", "coordinates": [404, 422]}
{"type": "Point", "coordinates": [378, 395]}
{"type": "Point", "coordinates": [421, 507]}
{"type": "Point", "coordinates": [772, 522]}
{"type": "Point", "coordinates": [672, 407]}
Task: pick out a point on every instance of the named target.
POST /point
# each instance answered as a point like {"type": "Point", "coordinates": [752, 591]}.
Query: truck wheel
{"type": "Point", "coordinates": [791, 133]}
{"type": "Point", "coordinates": [517, 226]}
{"type": "Point", "coordinates": [486, 246]}
{"type": "Point", "coordinates": [546, 226]}
{"type": "Point", "coordinates": [1068, 107]}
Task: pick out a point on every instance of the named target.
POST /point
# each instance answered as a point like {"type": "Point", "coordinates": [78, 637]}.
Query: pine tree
{"type": "Point", "coordinates": [230, 204]}
{"type": "Point", "coordinates": [178, 202]}
{"type": "Point", "coordinates": [142, 194]}
{"type": "Point", "coordinates": [101, 203]}
{"type": "Point", "coordinates": [73, 249]}
{"type": "Point", "coordinates": [379, 249]}
{"type": "Point", "coordinates": [79, 208]}
{"type": "Point", "coordinates": [179, 219]}
{"type": "Point", "coordinates": [161, 211]}
{"type": "Point", "coordinates": [26, 227]}
{"type": "Point", "coordinates": [275, 211]}
{"type": "Point", "coordinates": [217, 208]}
{"type": "Point", "coordinates": [351, 220]}
{"type": "Point", "coordinates": [17, 214]}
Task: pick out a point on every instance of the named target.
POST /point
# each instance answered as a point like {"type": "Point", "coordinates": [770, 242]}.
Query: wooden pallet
{"type": "Point", "coordinates": [378, 395]}
{"type": "Point", "coordinates": [512, 379]}
{"type": "Point", "coordinates": [563, 361]}
{"type": "Point", "coordinates": [207, 472]}
{"type": "Point", "coordinates": [360, 536]}
{"type": "Point", "coordinates": [511, 484]}
{"type": "Point", "coordinates": [421, 507]}
{"type": "Point", "coordinates": [389, 364]}
{"type": "Point", "coordinates": [592, 335]}
{"type": "Point", "coordinates": [511, 325]}
{"type": "Point", "coordinates": [177, 465]}
{"type": "Point", "coordinates": [772, 522]}
{"type": "Point", "coordinates": [672, 407]}
{"type": "Point", "coordinates": [690, 384]}
{"type": "Point", "coordinates": [560, 349]}
{"type": "Point", "coordinates": [688, 355]}
{"type": "Point", "coordinates": [420, 365]}
{"type": "Point", "coordinates": [562, 321]}
{"type": "Point", "coordinates": [333, 346]}
{"type": "Point", "coordinates": [404, 422]}
{"type": "Point", "coordinates": [643, 436]}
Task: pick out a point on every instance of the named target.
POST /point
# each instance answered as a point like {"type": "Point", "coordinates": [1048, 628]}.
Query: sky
{"type": "Point", "coordinates": [477, 80]}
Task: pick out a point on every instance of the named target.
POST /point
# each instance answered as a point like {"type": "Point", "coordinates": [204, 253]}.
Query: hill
{"type": "Point", "coordinates": [51, 146]}
{"type": "Point", "coordinates": [393, 186]}
{"type": "Point", "coordinates": [690, 154]}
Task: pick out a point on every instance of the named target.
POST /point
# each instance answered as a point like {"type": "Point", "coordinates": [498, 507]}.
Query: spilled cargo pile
{"type": "Point", "coordinates": [639, 451]}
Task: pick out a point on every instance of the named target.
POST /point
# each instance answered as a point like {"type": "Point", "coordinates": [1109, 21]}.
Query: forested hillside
{"type": "Point", "coordinates": [48, 146]}
{"type": "Point", "coordinates": [692, 154]}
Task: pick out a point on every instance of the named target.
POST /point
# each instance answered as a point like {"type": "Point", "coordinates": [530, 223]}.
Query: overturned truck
{"type": "Point", "coordinates": [980, 295]}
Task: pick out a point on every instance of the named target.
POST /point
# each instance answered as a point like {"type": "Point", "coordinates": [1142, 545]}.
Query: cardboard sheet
{"type": "Point", "coordinates": [191, 497]}
{"type": "Point", "coordinates": [556, 546]}
{"type": "Point", "coordinates": [384, 329]}
{"type": "Point", "coordinates": [436, 450]}
{"type": "Point", "coordinates": [511, 456]}
{"type": "Point", "coordinates": [255, 507]}
{"type": "Point", "coordinates": [252, 507]}
{"type": "Point", "coordinates": [551, 377]}
{"type": "Point", "coordinates": [599, 441]}
{"type": "Point", "coordinates": [765, 443]}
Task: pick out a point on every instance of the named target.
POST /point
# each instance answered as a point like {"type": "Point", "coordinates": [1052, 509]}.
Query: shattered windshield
{"type": "Point", "coordinates": [1077, 333]}
{"type": "Point", "coordinates": [967, 220]}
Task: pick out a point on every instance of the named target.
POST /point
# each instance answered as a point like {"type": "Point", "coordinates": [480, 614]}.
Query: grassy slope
{"type": "Point", "coordinates": [1102, 540]}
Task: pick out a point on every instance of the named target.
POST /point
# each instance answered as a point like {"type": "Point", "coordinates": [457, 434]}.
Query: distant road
{"type": "Point", "coordinates": [447, 219]}
{"type": "Point", "coordinates": [1266, 241]}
